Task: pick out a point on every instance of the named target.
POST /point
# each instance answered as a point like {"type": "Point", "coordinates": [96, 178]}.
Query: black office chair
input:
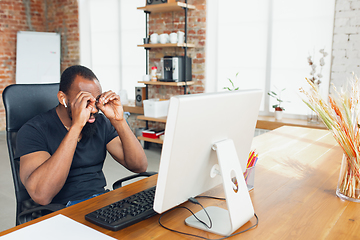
{"type": "Point", "coordinates": [22, 102]}
{"type": "Point", "coordinates": [118, 183]}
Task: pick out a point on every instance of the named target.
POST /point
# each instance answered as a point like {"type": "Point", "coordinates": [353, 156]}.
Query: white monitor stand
{"type": "Point", "coordinates": [240, 209]}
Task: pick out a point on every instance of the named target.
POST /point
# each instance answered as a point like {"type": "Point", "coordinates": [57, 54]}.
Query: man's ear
{"type": "Point", "coordinates": [62, 98]}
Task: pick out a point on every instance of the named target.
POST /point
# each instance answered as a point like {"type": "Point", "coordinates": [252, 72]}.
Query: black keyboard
{"type": "Point", "coordinates": [125, 212]}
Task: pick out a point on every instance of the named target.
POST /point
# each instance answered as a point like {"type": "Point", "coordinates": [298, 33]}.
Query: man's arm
{"type": "Point", "coordinates": [42, 174]}
{"type": "Point", "coordinates": [125, 149]}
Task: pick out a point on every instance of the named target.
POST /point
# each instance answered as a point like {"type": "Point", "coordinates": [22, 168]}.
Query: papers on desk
{"type": "Point", "coordinates": [57, 227]}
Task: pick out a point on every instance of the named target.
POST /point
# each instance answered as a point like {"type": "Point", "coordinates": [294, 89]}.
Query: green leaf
{"type": "Point", "coordinates": [273, 93]}
{"type": "Point", "coordinates": [232, 84]}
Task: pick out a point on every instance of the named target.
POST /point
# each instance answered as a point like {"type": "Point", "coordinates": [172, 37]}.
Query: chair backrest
{"type": "Point", "coordinates": [23, 102]}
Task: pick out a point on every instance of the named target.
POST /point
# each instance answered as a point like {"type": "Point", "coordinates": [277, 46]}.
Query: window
{"type": "Point", "coordinates": [267, 43]}
{"type": "Point", "coordinates": [109, 34]}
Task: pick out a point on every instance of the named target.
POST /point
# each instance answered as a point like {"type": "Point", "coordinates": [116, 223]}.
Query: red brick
{"type": "Point", "coordinates": [200, 77]}
{"type": "Point", "coordinates": [201, 31]}
{"type": "Point", "coordinates": [200, 55]}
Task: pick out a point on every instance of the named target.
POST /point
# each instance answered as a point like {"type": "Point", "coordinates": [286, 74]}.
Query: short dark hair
{"type": "Point", "coordinates": [69, 75]}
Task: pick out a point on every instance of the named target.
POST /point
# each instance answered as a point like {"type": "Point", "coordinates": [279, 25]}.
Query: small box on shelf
{"type": "Point", "coordinates": [155, 108]}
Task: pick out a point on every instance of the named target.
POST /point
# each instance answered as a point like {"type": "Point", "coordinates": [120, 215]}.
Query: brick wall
{"type": "Point", "coordinates": [41, 16]}
{"type": "Point", "coordinates": [346, 41]}
{"type": "Point", "coordinates": [62, 16]}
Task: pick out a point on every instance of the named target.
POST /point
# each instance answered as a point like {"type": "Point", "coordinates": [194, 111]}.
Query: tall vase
{"type": "Point", "coordinates": [349, 185]}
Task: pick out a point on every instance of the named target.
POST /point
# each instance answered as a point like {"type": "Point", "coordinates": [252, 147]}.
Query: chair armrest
{"type": "Point", "coordinates": [119, 182]}
{"type": "Point", "coordinates": [38, 211]}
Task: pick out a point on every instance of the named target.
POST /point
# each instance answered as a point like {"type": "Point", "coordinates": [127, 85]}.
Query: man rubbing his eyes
{"type": "Point", "coordinates": [62, 151]}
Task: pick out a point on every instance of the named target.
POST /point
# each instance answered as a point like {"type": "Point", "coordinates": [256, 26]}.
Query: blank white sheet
{"type": "Point", "coordinates": [57, 227]}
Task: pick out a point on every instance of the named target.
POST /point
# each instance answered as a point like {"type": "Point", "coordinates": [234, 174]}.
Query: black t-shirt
{"type": "Point", "coordinates": [86, 178]}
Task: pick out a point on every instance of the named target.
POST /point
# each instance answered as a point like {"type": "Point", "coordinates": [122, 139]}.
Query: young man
{"type": "Point", "coordinates": [63, 150]}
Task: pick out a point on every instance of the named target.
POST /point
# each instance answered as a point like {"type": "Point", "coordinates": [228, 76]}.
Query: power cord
{"type": "Point", "coordinates": [193, 200]}
{"type": "Point", "coordinates": [217, 198]}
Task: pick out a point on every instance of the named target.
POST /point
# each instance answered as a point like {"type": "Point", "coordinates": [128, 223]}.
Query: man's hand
{"type": "Point", "coordinates": [81, 108]}
{"type": "Point", "coordinates": [125, 149]}
{"type": "Point", "coordinates": [109, 103]}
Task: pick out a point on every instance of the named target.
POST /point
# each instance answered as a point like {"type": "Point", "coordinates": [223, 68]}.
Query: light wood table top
{"type": "Point", "coordinates": [294, 194]}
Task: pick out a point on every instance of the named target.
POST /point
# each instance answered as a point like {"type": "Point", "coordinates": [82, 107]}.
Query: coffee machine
{"type": "Point", "coordinates": [176, 69]}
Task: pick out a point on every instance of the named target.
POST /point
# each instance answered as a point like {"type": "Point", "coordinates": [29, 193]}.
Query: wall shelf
{"type": "Point", "coordinates": [166, 7]}
{"type": "Point", "coordinates": [158, 8]}
{"type": "Point", "coordinates": [157, 140]}
{"type": "Point", "coordinates": [174, 84]}
{"type": "Point", "coordinates": [167, 45]}
{"type": "Point", "coordinates": [132, 108]}
{"type": "Point", "coordinates": [161, 119]}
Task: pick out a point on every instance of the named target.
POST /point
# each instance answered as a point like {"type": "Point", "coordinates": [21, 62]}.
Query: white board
{"type": "Point", "coordinates": [38, 57]}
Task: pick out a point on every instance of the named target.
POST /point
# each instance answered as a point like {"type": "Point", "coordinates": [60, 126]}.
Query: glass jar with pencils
{"type": "Point", "coordinates": [249, 173]}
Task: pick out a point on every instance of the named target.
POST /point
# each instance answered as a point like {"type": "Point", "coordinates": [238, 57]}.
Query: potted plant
{"type": "Point", "coordinates": [233, 88]}
{"type": "Point", "coordinates": [278, 108]}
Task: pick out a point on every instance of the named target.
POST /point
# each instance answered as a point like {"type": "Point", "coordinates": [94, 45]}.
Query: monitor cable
{"type": "Point", "coordinates": [194, 201]}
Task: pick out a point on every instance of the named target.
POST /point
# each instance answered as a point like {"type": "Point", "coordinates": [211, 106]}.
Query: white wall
{"type": "Point", "coordinates": [110, 31]}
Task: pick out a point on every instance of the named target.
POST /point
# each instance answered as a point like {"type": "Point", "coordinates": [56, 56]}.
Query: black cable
{"type": "Point", "coordinates": [197, 236]}
{"type": "Point", "coordinates": [217, 198]}
{"type": "Point", "coordinates": [173, 230]}
{"type": "Point", "coordinates": [194, 201]}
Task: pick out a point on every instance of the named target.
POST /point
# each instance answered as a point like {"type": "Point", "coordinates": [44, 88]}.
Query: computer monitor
{"type": "Point", "coordinates": [196, 125]}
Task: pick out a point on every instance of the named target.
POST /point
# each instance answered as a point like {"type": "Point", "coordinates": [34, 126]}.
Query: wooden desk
{"type": "Point", "coordinates": [294, 195]}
